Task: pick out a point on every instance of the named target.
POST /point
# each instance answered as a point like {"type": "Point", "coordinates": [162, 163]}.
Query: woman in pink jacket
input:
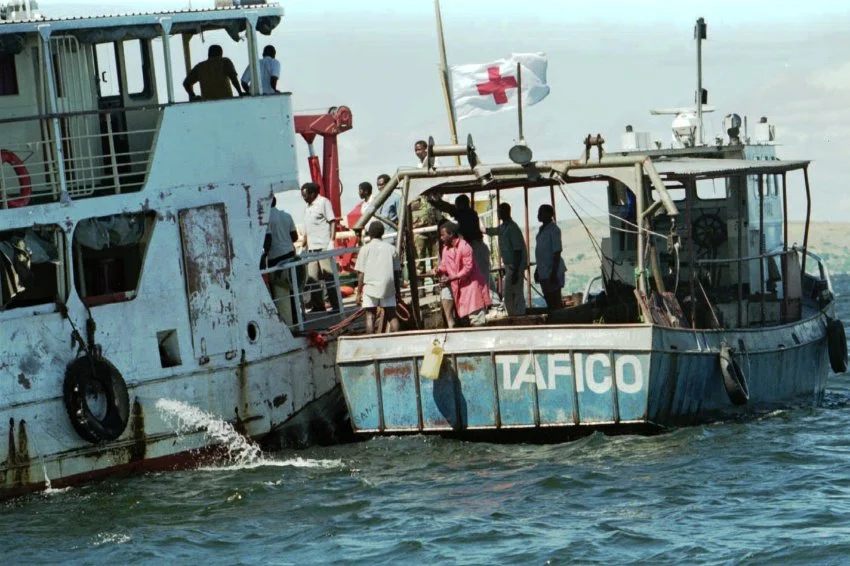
{"type": "Point", "coordinates": [464, 286]}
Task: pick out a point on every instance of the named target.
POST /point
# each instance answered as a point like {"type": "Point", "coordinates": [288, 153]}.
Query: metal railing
{"type": "Point", "coordinates": [291, 267]}
{"type": "Point", "coordinates": [96, 157]}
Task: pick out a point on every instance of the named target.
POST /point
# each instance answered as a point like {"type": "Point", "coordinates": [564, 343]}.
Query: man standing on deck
{"type": "Point", "coordinates": [551, 270]}
{"type": "Point", "coordinates": [279, 246]}
{"type": "Point", "coordinates": [464, 286]}
{"type": "Point", "coordinates": [319, 233]}
{"type": "Point", "coordinates": [514, 257]}
{"type": "Point", "coordinates": [213, 74]}
{"type": "Point", "coordinates": [469, 227]}
{"type": "Point", "coordinates": [269, 69]}
{"type": "Point", "coordinates": [378, 278]}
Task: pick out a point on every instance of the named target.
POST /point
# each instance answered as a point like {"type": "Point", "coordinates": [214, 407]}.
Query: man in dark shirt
{"type": "Point", "coordinates": [213, 74]}
{"type": "Point", "coordinates": [469, 228]}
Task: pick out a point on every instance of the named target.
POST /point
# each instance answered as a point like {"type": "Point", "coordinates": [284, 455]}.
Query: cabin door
{"type": "Point", "coordinates": [208, 272]}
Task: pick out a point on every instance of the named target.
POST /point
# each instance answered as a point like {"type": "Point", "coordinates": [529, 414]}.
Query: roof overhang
{"type": "Point", "coordinates": [696, 168]}
{"type": "Point", "coordinates": [145, 25]}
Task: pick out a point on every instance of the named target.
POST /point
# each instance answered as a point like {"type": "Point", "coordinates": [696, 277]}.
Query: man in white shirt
{"type": "Point", "coordinates": [319, 232]}
{"type": "Point", "coordinates": [279, 247]}
{"type": "Point", "coordinates": [378, 278]}
{"type": "Point", "coordinates": [420, 148]}
{"type": "Point", "coordinates": [364, 191]}
{"type": "Point", "coordinates": [269, 69]}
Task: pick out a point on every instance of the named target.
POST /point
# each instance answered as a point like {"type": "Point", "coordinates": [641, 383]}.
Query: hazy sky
{"type": "Point", "coordinates": [609, 63]}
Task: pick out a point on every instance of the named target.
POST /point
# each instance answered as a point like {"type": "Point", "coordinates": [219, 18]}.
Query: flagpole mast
{"type": "Point", "coordinates": [519, 100]}
{"type": "Point", "coordinates": [444, 76]}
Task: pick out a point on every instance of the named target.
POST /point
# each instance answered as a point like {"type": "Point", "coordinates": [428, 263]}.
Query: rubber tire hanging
{"type": "Point", "coordinates": [836, 341]}
{"type": "Point", "coordinates": [734, 380]}
{"type": "Point", "coordinates": [87, 375]}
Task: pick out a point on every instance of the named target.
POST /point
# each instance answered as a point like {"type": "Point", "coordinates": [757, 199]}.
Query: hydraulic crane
{"type": "Point", "coordinates": [328, 126]}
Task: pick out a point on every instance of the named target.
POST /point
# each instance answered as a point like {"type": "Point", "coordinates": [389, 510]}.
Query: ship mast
{"type": "Point", "coordinates": [701, 98]}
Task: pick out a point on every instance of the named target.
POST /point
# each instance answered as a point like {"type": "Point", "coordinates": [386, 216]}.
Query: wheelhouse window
{"type": "Point", "coordinates": [32, 267]}
{"type": "Point", "coordinates": [137, 65]}
{"type": "Point", "coordinates": [8, 76]}
{"type": "Point", "coordinates": [109, 254]}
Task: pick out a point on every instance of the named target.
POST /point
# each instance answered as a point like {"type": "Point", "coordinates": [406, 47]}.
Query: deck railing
{"type": "Point", "coordinates": [101, 154]}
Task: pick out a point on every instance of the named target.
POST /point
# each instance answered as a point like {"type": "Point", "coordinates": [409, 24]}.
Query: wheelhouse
{"type": "Point", "coordinates": [82, 99]}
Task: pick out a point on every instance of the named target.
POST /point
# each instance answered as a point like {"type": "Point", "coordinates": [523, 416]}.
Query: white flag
{"type": "Point", "coordinates": [492, 87]}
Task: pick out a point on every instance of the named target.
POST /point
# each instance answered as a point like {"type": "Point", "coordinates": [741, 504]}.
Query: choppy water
{"type": "Point", "coordinates": [771, 490]}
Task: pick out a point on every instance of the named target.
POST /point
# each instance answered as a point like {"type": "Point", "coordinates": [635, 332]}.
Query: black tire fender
{"type": "Point", "coordinates": [836, 341]}
{"type": "Point", "coordinates": [89, 375]}
{"type": "Point", "coordinates": [734, 380]}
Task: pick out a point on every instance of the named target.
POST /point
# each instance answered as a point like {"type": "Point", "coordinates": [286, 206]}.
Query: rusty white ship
{"type": "Point", "coordinates": [131, 232]}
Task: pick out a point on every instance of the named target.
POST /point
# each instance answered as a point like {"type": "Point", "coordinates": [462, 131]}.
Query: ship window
{"type": "Point", "coordinates": [137, 65]}
{"type": "Point", "coordinates": [8, 75]}
{"type": "Point", "coordinates": [109, 254]}
{"type": "Point", "coordinates": [676, 191]}
{"type": "Point", "coordinates": [108, 83]}
{"type": "Point", "coordinates": [32, 268]}
{"type": "Point", "coordinates": [711, 189]}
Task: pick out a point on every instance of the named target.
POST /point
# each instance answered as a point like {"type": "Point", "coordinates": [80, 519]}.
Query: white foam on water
{"type": "Point", "coordinates": [186, 418]}
{"type": "Point", "coordinates": [264, 462]}
{"type": "Point", "coordinates": [243, 454]}
{"type": "Point", "coordinates": [110, 538]}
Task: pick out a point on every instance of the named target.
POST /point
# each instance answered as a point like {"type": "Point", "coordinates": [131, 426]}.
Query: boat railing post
{"type": "Point", "coordinates": [112, 161]}
{"type": "Point", "coordinates": [3, 200]}
{"type": "Point", "coordinates": [44, 32]}
{"type": "Point", "coordinates": [335, 271]}
{"type": "Point", "coordinates": [296, 295]}
{"type": "Point", "coordinates": [165, 25]}
{"type": "Point", "coordinates": [253, 61]}
{"type": "Point", "coordinates": [762, 249]}
{"type": "Point", "coordinates": [808, 218]}
{"type": "Point", "coordinates": [638, 169]}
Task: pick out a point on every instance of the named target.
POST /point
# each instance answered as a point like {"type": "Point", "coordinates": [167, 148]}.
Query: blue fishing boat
{"type": "Point", "coordinates": [704, 307]}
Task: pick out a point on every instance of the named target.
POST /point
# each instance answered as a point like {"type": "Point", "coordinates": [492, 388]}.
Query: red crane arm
{"type": "Point", "coordinates": [328, 126]}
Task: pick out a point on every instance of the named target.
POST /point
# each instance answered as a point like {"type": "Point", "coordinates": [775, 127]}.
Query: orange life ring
{"type": "Point", "coordinates": [24, 181]}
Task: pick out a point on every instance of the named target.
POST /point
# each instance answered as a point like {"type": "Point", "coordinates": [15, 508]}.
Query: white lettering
{"type": "Point", "coordinates": [505, 361]}
{"type": "Point", "coordinates": [554, 370]}
{"type": "Point", "coordinates": [593, 371]}
{"type": "Point", "coordinates": [637, 372]}
{"type": "Point", "coordinates": [579, 369]}
{"type": "Point", "coordinates": [603, 385]}
{"type": "Point", "coordinates": [524, 374]}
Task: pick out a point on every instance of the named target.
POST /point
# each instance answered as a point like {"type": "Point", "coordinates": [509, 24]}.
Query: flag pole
{"type": "Point", "coordinates": [444, 76]}
{"type": "Point", "coordinates": [519, 100]}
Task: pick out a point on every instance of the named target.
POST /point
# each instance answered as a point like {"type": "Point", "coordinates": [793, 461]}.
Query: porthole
{"type": "Point", "coordinates": [253, 331]}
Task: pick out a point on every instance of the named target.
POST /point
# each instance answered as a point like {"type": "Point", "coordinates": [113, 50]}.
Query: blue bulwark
{"type": "Point", "coordinates": [498, 391]}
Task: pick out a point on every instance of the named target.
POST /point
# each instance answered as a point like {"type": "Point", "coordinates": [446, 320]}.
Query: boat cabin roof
{"type": "Point", "coordinates": [697, 168]}
{"type": "Point", "coordinates": [457, 180]}
{"type": "Point", "coordinates": [142, 25]}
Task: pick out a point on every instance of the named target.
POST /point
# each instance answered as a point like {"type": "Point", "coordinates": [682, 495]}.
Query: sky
{"type": "Point", "coordinates": [609, 63]}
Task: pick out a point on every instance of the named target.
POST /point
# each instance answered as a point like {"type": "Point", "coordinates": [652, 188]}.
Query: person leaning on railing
{"type": "Point", "coordinates": [279, 247]}
{"type": "Point", "coordinates": [319, 233]}
{"type": "Point", "coordinates": [214, 75]}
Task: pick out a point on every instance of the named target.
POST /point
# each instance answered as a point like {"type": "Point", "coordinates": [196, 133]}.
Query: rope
{"type": "Point", "coordinates": [402, 311]}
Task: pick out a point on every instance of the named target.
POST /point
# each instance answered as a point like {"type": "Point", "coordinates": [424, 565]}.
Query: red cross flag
{"type": "Point", "coordinates": [492, 87]}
